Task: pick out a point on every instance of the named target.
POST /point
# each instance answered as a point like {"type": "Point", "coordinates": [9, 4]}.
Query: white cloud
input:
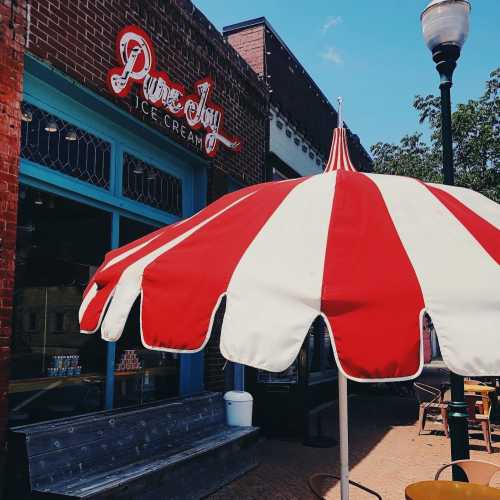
{"type": "Point", "coordinates": [332, 55]}
{"type": "Point", "coordinates": [331, 22]}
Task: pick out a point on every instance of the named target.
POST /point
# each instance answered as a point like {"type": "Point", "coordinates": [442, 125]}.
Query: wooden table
{"type": "Point", "coordinates": [450, 490]}
{"type": "Point", "coordinates": [47, 383]}
{"type": "Point", "coordinates": [481, 389]}
{"type": "Point", "coordinates": [142, 373]}
{"type": "Point", "coordinates": [484, 391]}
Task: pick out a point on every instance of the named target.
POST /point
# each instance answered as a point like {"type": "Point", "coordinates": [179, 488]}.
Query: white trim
{"type": "Point", "coordinates": [286, 150]}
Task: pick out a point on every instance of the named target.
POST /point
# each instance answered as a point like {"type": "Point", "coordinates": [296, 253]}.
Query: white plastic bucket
{"type": "Point", "coordinates": [239, 406]}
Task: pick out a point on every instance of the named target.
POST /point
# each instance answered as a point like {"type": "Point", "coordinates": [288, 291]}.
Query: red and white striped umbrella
{"type": "Point", "coordinates": [370, 253]}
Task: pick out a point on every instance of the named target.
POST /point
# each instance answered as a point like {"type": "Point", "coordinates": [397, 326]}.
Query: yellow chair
{"type": "Point", "coordinates": [477, 415]}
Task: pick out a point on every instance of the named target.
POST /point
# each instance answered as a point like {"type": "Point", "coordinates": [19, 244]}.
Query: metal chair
{"type": "Point", "coordinates": [431, 402]}
{"type": "Point", "coordinates": [477, 471]}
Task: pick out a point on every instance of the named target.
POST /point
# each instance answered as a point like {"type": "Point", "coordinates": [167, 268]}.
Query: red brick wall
{"type": "Point", "coordinates": [11, 78]}
{"type": "Point", "coordinates": [250, 45]}
{"type": "Point", "coordinates": [79, 40]}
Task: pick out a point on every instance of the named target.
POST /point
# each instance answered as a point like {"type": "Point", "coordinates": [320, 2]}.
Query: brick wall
{"type": "Point", "coordinates": [12, 32]}
{"type": "Point", "coordinates": [250, 45]}
{"type": "Point", "coordinates": [312, 114]}
{"type": "Point", "coordinates": [78, 38]}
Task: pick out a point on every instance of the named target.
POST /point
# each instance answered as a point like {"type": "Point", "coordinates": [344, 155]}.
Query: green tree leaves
{"type": "Point", "coordinates": [476, 143]}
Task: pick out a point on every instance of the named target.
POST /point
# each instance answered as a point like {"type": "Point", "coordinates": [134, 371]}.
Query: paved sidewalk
{"type": "Point", "coordinates": [385, 453]}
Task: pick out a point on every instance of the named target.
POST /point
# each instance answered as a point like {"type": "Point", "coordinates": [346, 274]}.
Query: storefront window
{"type": "Point", "coordinates": [141, 375]}
{"type": "Point", "coordinates": [288, 376]}
{"type": "Point", "coordinates": [321, 361]}
{"type": "Point", "coordinates": [147, 184]}
{"type": "Point", "coordinates": [316, 346]}
{"type": "Point", "coordinates": [54, 143]}
{"type": "Point", "coordinates": [55, 370]}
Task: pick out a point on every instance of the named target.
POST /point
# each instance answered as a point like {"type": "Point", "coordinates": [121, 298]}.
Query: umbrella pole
{"type": "Point", "coordinates": [344, 438]}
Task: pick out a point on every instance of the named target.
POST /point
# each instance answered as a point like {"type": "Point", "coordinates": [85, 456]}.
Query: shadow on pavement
{"type": "Point", "coordinates": [286, 465]}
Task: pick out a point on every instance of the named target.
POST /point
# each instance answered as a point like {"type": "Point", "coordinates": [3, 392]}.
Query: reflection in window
{"type": "Point", "coordinates": [55, 370]}
{"type": "Point", "coordinates": [320, 354]}
{"type": "Point", "coordinates": [59, 145]}
{"type": "Point", "coordinates": [315, 347]}
{"type": "Point", "coordinates": [149, 185]}
{"type": "Point", "coordinates": [32, 321]}
{"type": "Point", "coordinates": [141, 375]}
{"type": "Point", "coordinates": [321, 360]}
{"type": "Point", "coordinates": [288, 376]}
{"type": "Point", "coordinates": [59, 322]}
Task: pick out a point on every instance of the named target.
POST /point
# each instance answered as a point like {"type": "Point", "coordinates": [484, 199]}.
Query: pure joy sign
{"type": "Point", "coordinates": [137, 58]}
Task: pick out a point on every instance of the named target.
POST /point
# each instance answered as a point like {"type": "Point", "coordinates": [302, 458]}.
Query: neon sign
{"type": "Point", "coordinates": [137, 58]}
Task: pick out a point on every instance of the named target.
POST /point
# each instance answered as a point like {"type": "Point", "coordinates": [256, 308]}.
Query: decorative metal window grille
{"type": "Point", "coordinates": [149, 185]}
{"type": "Point", "coordinates": [58, 145]}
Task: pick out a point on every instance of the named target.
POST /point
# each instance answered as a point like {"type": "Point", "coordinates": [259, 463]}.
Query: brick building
{"type": "Point", "coordinates": [301, 118]}
{"type": "Point", "coordinates": [95, 151]}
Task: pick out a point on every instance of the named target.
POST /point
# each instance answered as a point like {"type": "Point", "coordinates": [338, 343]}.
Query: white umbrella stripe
{"type": "Point", "coordinates": [130, 251]}
{"type": "Point", "coordinates": [475, 201]}
{"type": "Point", "coordinates": [277, 284]}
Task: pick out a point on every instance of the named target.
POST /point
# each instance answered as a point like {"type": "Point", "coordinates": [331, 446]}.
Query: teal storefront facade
{"type": "Point", "coordinates": [78, 109]}
{"type": "Point", "coordinates": [88, 166]}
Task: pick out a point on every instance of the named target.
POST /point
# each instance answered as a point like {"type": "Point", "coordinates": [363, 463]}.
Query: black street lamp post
{"type": "Point", "coordinates": [445, 25]}
{"type": "Point", "coordinates": [445, 56]}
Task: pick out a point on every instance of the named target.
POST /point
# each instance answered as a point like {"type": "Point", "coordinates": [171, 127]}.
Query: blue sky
{"type": "Point", "coordinates": [372, 53]}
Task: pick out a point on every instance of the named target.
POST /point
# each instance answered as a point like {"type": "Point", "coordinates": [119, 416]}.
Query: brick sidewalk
{"type": "Point", "coordinates": [385, 453]}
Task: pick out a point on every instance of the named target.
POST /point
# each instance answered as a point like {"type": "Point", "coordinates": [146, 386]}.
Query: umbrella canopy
{"type": "Point", "coordinates": [369, 253]}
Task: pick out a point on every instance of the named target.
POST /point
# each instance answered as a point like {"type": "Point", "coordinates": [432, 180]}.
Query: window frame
{"type": "Point", "coordinates": [57, 94]}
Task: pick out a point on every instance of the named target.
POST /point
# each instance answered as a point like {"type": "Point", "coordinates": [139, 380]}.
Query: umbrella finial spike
{"type": "Point", "coordinates": [340, 123]}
